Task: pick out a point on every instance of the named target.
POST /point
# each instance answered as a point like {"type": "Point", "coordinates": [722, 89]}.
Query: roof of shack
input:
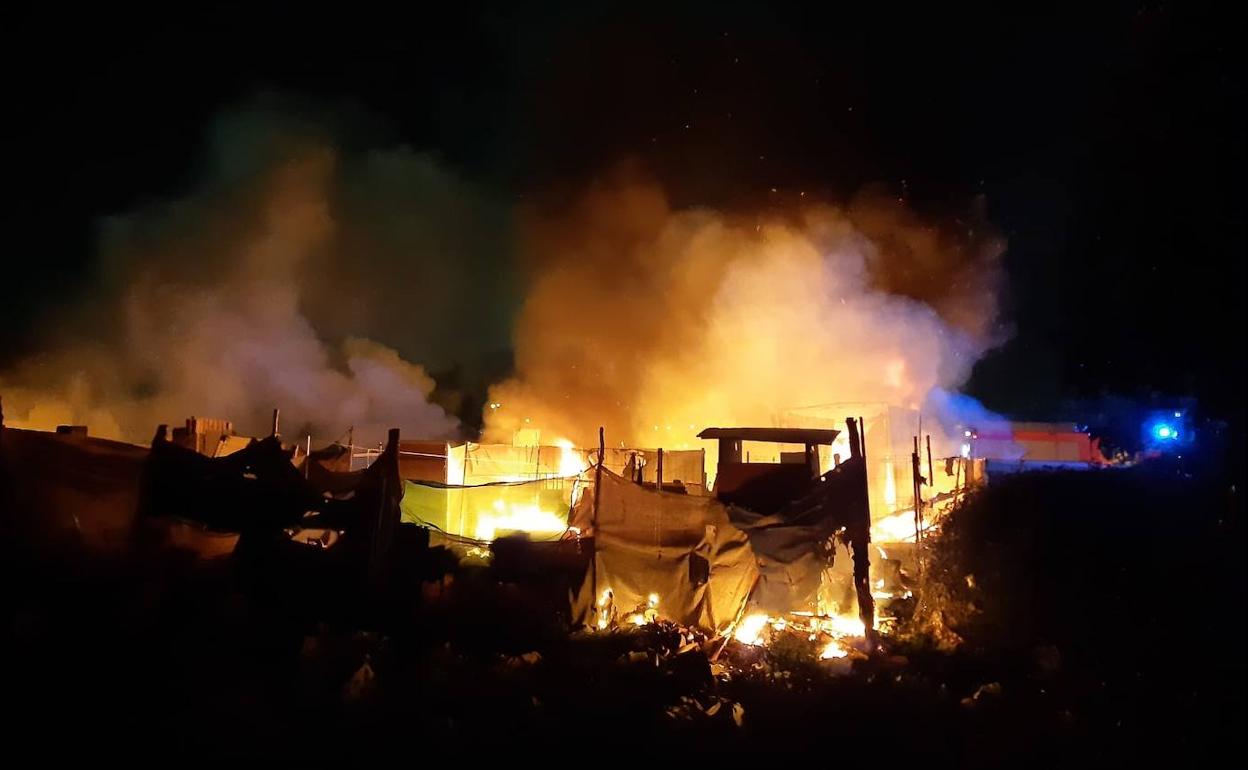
{"type": "Point", "coordinates": [775, 435]}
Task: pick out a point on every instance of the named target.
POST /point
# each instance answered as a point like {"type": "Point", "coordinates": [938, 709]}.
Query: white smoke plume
{"type": "Point", "coordinates": [247, 294]}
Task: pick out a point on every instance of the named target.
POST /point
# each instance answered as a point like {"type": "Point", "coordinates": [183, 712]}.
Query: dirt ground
{"type": "Point", "coordinates": [1102, 624]}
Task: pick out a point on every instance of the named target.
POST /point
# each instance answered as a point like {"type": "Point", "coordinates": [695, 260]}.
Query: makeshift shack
{"type": "Point", "coordinates": [704, 560]}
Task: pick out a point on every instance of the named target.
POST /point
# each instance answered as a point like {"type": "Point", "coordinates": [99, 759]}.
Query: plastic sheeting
{"type": "Point", "coordinates": [489, 511]}
{"type": "Point", "coordinates": [56, 487]}
{"type": "Point", "coordinates": [681, 548]}
{"type": "Point", "coordinates": [705, 561]}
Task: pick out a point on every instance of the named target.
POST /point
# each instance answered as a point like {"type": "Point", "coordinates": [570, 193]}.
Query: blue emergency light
{"type": "Point", "coordinates": [1167, 431]}
{"type": "Point", "coordinates": [1164, 432]}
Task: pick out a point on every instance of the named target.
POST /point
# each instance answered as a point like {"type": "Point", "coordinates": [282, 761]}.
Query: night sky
{"type": "Point", "coordinates": [1108, 142]}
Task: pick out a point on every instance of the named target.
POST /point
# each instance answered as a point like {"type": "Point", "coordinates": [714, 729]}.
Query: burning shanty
{"type": "Point", "coordinates": [742, 550]}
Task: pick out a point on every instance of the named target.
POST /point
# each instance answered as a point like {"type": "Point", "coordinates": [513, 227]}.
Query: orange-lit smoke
{"type": "Point", "coordinates": [656, 322]}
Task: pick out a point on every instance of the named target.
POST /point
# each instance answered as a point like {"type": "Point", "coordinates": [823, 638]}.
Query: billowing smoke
{"type": "Point", "coordinates": [264, 285]}
{"type": "Point", "coordinates": [252, 292]}
{"type": "Point", "coordinates": [656, 323]}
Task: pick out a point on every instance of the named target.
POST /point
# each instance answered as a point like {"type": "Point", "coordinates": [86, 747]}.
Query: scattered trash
{"type": "Point", "coordinates": [527, 659]}
{"type": "Point", "coordinates": [689, 708]}
{"type": "Point", "coordinates": [986, 692]}
{"type": "Point", "coordinates": [363, 683]}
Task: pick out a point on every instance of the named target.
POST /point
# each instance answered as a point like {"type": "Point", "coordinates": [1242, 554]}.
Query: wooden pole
{"type": "Point", "coordinates": [931, 474]}
{"type": "Point", "coordinates": [658, 472]}
{"type": "Point", "coordinates": [276, 415]}
{"type": "Point", "coordinates": [593, 566]}
{"type": "Point", "coordinates": [918, 506]}
{"type": "Point", "coordinates": [859, 527]}
{"type": "Point", "coordinates": [463, 482]}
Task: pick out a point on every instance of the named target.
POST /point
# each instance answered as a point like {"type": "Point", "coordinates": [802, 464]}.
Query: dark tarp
{"type": "Point", "coordinates": [705, 559]}
{"type": "Point", "coordinates": [839, 504]}
{"type": "Point", "coordinates": [368, 513]}
{"type": "Point", "coordinates": [254, 489]}
{"type": "Point", "coordinates": [682, 548]}
{"type": "Point", "coordinates": [55, 487]}
{"type": "Point", "coordinates": [257, 492]}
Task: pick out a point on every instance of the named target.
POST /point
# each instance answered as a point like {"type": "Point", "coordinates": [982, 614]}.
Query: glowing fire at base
{"type": "Point", "coordinates": [750, 630]}
{"type": "Point", "coordinates": [518, 517]}
{"type": "Point", "coordinates": [833, 650]}
{"type": "Point", "coordinates": [641, 617]}
{"type": "Point", "coordinates": [840, 627]}
{"type": "Point", "coordinates": [898, 528]}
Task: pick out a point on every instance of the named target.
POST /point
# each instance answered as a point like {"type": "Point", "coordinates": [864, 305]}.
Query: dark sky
{"type": "Point", "coordinates": [1107, 141]}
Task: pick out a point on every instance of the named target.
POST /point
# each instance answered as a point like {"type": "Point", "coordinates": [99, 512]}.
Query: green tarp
{"type": "Point", "coordinates": [489, 511]}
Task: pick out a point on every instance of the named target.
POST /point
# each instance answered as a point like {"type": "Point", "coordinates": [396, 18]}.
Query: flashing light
{"type": "Point", "coordinates": [1164, 432]}
{"type": "Point", "coordinates": [966, 433]}
{"type": "Point", "coordinates": [966, 450]}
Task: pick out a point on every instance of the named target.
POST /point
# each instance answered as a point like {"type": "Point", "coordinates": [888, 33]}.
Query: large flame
{"type": "Point", "coordinates": [571, 462]}
{"type": "Point", "coordinates": [518, 517]}
{"type": "Point", "coordinates": [839, 630]}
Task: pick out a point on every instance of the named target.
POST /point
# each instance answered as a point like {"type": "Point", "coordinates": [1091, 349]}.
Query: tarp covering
{"type": "Point", "coordinates": [256, 488]}
{"type": "Point", "coordinates": [334, 457]}
{"type": "Point", "coordinates": [790, 559]}
{"type": "Point", "coordinates": [706, 560]}
{"type": "Point", "coordinates": [682, 548]}
{"type": "Point", "coordinates": [228, 445]}
{"type": "Point", "coordinates": [257, 492]}
{"type": "Point", "coordinates": [488, 511]}
{"type": "Point", "coordinates": [332, 479]}
{"type": "Point", "coordinates": [838, 505]}
{"type": "Point", "coordinates": [56, 486]}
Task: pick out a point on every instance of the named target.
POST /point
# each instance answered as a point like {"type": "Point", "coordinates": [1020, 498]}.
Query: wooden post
{"type": "Point", "coordinates": [859, 532]}
{"type": "Point", "coordinates": [702, 464]}
{"type": "Point", "coordinates": [658, 472]}
{"type": "Point", "coordinates": [276, 415]}
{"type": "Point", "coordinates": [915, 483]}
{"type": "Point", "coordinates": [931, 474]}
{"type": "Point", "coordinates": [307, 458]}
{"type": "Point", "coordinates": [463, 482]}
{"type": "Point", "coordinates": [915, 469]}
{"type": "Point", "coordinates": [593, 564]}
{"type": "Point", "coordinates": [387, 515]}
